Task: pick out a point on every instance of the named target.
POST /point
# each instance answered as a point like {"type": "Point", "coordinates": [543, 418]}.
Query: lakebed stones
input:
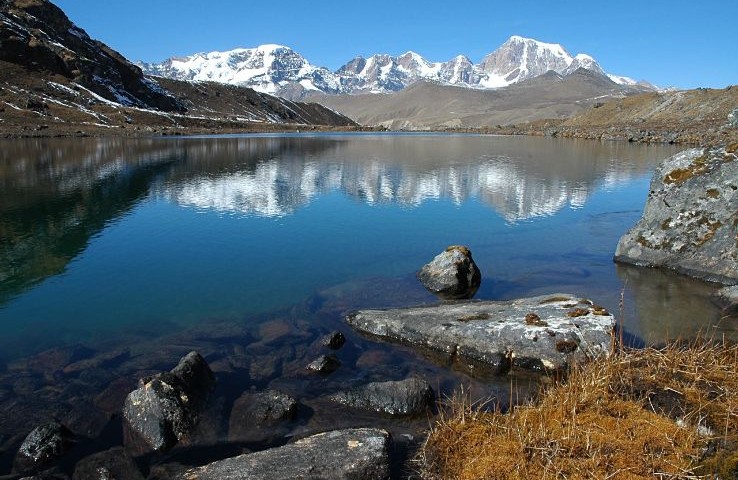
{"type": "Point", "coordinates": [43, 445]}
{"type": "Point", "coordinates": [341, 454]}
{"type": "Point", "coordinates": [254, 411]}
{"type": "Point", "coordinates": [540, 333]}
{"type": "Point", "coordinates": [690, 220]}
{"type": "Point", "coordinates": [164, 408]}
{"type": "Point", "coordinates": [452, 274]}
{"type": "Point", "coordinates": [409, 397]}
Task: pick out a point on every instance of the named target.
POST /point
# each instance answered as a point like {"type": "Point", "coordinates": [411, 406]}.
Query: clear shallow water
{"type": "Point", "coordinates": [104, 241]}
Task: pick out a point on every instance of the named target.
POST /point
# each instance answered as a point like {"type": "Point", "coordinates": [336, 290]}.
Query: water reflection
{"type": "Point", "coordinates": [519, 180]}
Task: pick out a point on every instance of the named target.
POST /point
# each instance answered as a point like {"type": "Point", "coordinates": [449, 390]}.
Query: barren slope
{"type": "Point", "coordinates": [429, 106]}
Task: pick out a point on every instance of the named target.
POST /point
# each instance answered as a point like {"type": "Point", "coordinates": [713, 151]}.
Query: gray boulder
{"type": "Point", "coordinates": [254, 411]}
{"type": "Point", "coordinates": [412, 396]}
{"type": "Point", "coordinates": [43, 445]}
{"type": "Point", "coordinates": [452, 274]}
{"type": "Point", "coordinates": [352, 454]}
{"type": "Point", "coordinates": [540, 333]}
{"type": "Point", "coordinates": [689, 221]}
{"type": "Point", "coordinates": [165, 408]}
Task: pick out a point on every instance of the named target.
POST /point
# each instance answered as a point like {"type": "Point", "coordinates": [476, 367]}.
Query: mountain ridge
{"type": "Point", "coordinates": [280, 70]}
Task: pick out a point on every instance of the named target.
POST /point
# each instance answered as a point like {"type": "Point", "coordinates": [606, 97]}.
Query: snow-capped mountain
{"type": "Point", "coordinates": [280, 70]}
{"type": "Point", "coordinates": [266, 68]}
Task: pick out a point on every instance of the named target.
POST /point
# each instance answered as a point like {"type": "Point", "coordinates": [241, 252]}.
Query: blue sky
{"type": "Point", "coordinates": [679, 43]}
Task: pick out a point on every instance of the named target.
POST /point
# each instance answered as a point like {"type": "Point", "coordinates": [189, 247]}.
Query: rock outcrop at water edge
{"type": "Point", "coordinates": [690, 220]}
{"type": "Point", "coordinates": [165, 408]}
{"type": "Point", "coordinates": [452, 274]}
{"type": "Point", "coordinates": [540, 333]}
{"type": "Point", "coordinates": [361, 453]}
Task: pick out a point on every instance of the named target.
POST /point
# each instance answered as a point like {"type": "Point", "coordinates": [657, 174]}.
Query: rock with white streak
{"type": "Point", "coordinates": [541, 333]}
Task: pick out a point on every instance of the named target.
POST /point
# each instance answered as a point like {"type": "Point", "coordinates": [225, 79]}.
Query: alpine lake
{"type": "Point", "coordinates": [120, 255]}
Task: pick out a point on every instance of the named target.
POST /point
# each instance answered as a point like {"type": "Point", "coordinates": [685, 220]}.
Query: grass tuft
{"type": "Point", "coordinates": [651, 413]}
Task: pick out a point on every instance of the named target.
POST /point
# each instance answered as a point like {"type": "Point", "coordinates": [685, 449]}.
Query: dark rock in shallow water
{"type": "Point", "coordinates": [42, 446]}
{"type": "Point", "coordinates": [324, 364]}
{"type": "Point", "coordinates": [452, 274]}
{"type": "Point", "coordinates": [253, 411]}
{"type": "Point", "coordinates": [113, 464]}
{"type": "Point", "coordinates": [496, 334]}
{"type": "Point", "coordinates": [165, 407]}
{"type": "Point", "coordinates": [689, 221]}
{"type": "Point", "coordinates": [333, 340]}
{"type": "Point", "coordinates": [353, 454]}
{"type": "Point", "coordinates": [411, 396]}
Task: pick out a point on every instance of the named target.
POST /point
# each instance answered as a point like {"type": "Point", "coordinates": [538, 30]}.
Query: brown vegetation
{"type": "Point", "coordinates": [652, 413]}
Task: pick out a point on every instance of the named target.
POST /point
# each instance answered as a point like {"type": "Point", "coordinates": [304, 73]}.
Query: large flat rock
{"type": "Point", "coordinates": [690, 218]}
{"type": "Point", "coordinates": [540, 333]}
{"type": "Point", "coordinates": [359, 453]}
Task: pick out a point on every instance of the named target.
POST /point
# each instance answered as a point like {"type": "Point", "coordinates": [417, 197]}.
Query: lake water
{"type": "Point", "coordinates": [264, 242]}
{"type": "Point", "coordinates": [122, 237]}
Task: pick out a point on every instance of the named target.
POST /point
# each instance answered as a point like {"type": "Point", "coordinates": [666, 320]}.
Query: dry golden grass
{"type": "Point", "coordinates": [652, 413]}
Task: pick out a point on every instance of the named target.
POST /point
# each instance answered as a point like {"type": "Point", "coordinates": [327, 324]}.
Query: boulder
{"type": "Point", "coordinates": [412, 396]}
{"type": "Point", "coordinates": [360, 453]}
{"type": "Point", "coordinates": [690, 218]}
{"type": "Point", "coordinates": [43, 445]}
{"type": "Point", "coordinates": [324, 364]}
{"type": "Point", "coordinates": [165, 407]}
{"type": "Point", "coordinates": [253, 411]}
{"type": "Point", "coordinates": [452, 274]}
{"type": "Point", "coordinates": [539, 333]}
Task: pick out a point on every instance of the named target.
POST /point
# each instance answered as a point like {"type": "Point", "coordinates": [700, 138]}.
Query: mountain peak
{"type": "Point", "coordinates": [273, 68]}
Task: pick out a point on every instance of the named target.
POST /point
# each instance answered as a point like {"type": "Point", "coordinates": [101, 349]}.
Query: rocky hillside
{"type": "Point", "coordinates": [699, 116]}
{"type": "Point", "coordinates": [37, 35]}
{"type": "Point", "coordinates": [424, 106]}
{"type": "Point", "coordinates": [55, 79]}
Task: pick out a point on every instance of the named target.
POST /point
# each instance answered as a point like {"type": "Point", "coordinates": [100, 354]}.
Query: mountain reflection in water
{"type": "Point", "coordinates": [101, 235]}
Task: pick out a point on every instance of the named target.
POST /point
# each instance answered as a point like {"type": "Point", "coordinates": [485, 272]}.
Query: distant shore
{"type": "Point", "coordinates": [678, 135]}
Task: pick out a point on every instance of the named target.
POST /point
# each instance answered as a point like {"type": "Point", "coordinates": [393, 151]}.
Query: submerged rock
{"type": "Point", "coordinates": [411, 396]}
{"type": "Point", "coordinates": [324, 364]}
{"type": "Point", "coordinates": [690, 218]}
{"type": "Point", "coordinates": [333, 340]}
{"type": "Point", "coordinates": [361, 453]}
{"type": "Point", "coordinates": [452, 274]}
{"type": "Point", "coordinates": [43, 445]}
{"type": "Point", "coordinates": [164, 408]}
{"type": "Point", "coordinates": [253, 411]}
{"type": "Point", "coordinates": [539, 333]}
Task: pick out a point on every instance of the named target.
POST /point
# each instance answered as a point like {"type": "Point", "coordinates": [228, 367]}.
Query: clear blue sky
{"type": "Point", "coordinates": [683, 43]}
